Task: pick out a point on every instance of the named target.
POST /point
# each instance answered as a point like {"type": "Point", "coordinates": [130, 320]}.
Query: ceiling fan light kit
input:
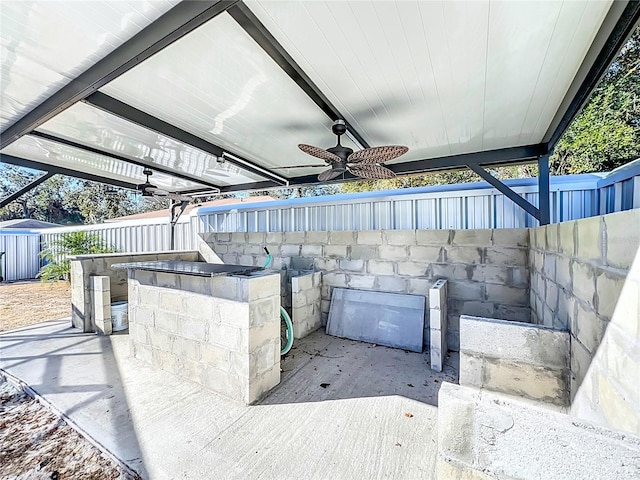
{"type": "Point", "coordinates": [365, 163]}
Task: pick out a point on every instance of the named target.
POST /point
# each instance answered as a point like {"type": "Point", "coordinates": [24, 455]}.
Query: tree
{"type": "Point", "coordinates": [283, 193]}
{"type": "Point", "coordinates": [49, 201]}
{"type": "Point", "coordinates": [58, 266]}
{"type": "Point", "coordinates": [12, 179]}
{"type": "Point", "coordinates": [66, 200]}
{"type": "Point", "coordinates": [439, 178]}
{"type": "Point", "coordinates": [606, 133]}
{"type": "Point", "coordinates": [97, 202]}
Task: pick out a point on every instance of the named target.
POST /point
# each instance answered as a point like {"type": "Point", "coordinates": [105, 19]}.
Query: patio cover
{"type": "Point", "coordinates": [217, 95]}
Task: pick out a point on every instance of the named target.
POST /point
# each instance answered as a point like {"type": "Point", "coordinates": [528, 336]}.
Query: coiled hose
{"type": "Point", "coordinates": [286, 326]}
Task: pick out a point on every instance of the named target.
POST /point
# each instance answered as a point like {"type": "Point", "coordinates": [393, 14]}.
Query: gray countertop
{"type": "Point", "coordinates": [201, 269]}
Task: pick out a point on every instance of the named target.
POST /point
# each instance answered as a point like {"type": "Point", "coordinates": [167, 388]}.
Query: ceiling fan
{"type": "Point", "coordinates": [149, 190]}
{"type": "Point", "coordinates": [366, 163]}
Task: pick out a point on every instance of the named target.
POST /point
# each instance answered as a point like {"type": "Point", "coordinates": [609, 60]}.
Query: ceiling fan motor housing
{"type": "Point", "coordinates": [340, 151]}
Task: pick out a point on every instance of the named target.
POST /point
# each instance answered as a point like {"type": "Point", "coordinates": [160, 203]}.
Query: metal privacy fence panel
{"type": "Point", "coordinates": [21, 259]}
{"type": "Point", "coordinates": [462, 206]}
{"type": "Point", "coordinates": [133, 237]}
{"type": "Point", "coordinates": [444, 207]}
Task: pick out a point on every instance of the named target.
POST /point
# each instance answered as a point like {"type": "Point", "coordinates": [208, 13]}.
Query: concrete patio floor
{"type": "Point", "coordinates": [340, 410]}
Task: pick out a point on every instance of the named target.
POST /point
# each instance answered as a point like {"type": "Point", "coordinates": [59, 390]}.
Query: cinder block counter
{"type": "Point", "coordinates": [219, 330]}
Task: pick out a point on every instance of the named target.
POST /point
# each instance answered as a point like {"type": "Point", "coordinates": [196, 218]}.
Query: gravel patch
{"type": "Point", "coordinates": [37, 444]}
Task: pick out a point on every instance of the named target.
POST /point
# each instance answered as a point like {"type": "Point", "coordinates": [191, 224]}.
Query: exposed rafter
{"type": "Point", "coordinates": [503, 156]}
{"type": "Point", "coordinates": [266, 185]}
{"type": "Point", "coordinates": [616, 29]}
{"type": "Point", "coordinates": [256, 30]}
{"type": "Point", "coordinates": [54, 169]}
{"type": "Point", "coordinates": [25, 189]}
{"type": "Point", "coordinates": [134, 115]}
{"type": "Point", "coordinates": [173, 25]}
{"type": "Point", "coordinates": [155, 167]}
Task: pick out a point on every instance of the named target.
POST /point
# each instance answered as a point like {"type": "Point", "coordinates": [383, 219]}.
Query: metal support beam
{"type": "Point", "coordinates": [250, 186]}
{"type": "Point", "coordinates": [503, 156]}
{"type": "Point", "coordinates": [132, 114]}
{"type": "Point", "coordinates": [543, 190]}
{"type": "Point", "coordinates": [500, 156]}
{"type": "Point", "coordinates": [505, 190]}
{"type": "Point", "coordinates": [256, 30]}
{"type": "Point", "coordinates": [173, 25]}
{"type": "Point", "coordinates": [7, 200]}
{"type": "Point", "coordinates": [155, 167]}
{"type": "Point", "coordinates": [54, 169]}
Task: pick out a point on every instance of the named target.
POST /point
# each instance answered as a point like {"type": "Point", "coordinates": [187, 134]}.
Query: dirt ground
{"type": "Point", "coordinates": [34, 442]}
{"type": "Point", "coordinates": [30, 302]}
{"type": "Point", "coordinates": [37, 444]}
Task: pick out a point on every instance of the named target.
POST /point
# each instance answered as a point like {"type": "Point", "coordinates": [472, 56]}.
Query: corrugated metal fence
{"type": "Point", "coordinates": [134, 236]}
{"type": "Point", "coordinates": [463, 206]}
{"type": "Point", "coordinates": [21, 260]}
{"type": "Point", "coordinates": [22, 249]}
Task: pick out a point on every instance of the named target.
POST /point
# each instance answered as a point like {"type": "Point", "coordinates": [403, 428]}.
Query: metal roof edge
{"type": "Point", "coordinates": [624, 172]}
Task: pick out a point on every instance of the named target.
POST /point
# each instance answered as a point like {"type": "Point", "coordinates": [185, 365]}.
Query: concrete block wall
{"type": "Point", "coordinates": [286, 284]}
{"type": "Point", "coordinates": [585, 277]}
{"type": "Point", "coordinates": [83, 267]}
{"type": "Point", "coordinates": [516, 358]}
{"type": "Point", "coordinates": [487, 269]}
{"type": "Point", "coordinates": [482, 435]}
{"type": "Point", "coordinates": [221, 332]}
{"type": "Point", "coordinates": [306, 314]}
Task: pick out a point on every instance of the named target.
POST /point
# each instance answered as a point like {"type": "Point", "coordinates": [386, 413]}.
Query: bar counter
{"type": "Point", "coordinates": [209, 323]}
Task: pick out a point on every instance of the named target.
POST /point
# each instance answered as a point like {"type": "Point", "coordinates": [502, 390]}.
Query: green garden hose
{"type": "Point", "coordinates": [286, 326]}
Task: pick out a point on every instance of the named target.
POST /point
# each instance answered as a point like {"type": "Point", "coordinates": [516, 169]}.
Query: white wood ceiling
{"type": "Point", "coordinates": [441, 77]}
{"type": "Point", "coordinates": [46, 44]}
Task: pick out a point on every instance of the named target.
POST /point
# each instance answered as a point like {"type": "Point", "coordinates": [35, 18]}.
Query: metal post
{"type": "Point", "coordinates": [172, 225]}
{"type": "Point", "coordinates": [175, 210]}
{"type": "Point", "coordinates": [543, 190]}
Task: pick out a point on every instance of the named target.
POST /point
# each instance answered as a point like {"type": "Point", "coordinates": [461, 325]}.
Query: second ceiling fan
{"type": "Point", "coordinates": [149, 190]}
{"type": "Point", "coordinates": [366, 163]}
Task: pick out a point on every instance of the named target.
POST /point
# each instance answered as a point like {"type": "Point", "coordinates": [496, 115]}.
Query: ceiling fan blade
{"type": "Point", "coordinates": [158, 192]}
{"type": "Point", "coordinates": [374, 172]}
{"type": "Point", "coordinates": [319, 153]}
{"type": "Point", "coordinates": [329, 175]}
{"type": "Point", "coordinates": [178, 197]}
{"type": "Point", "coordinates": [377, 154]}
{"type": "Point", "coordinates": [155, 191]}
